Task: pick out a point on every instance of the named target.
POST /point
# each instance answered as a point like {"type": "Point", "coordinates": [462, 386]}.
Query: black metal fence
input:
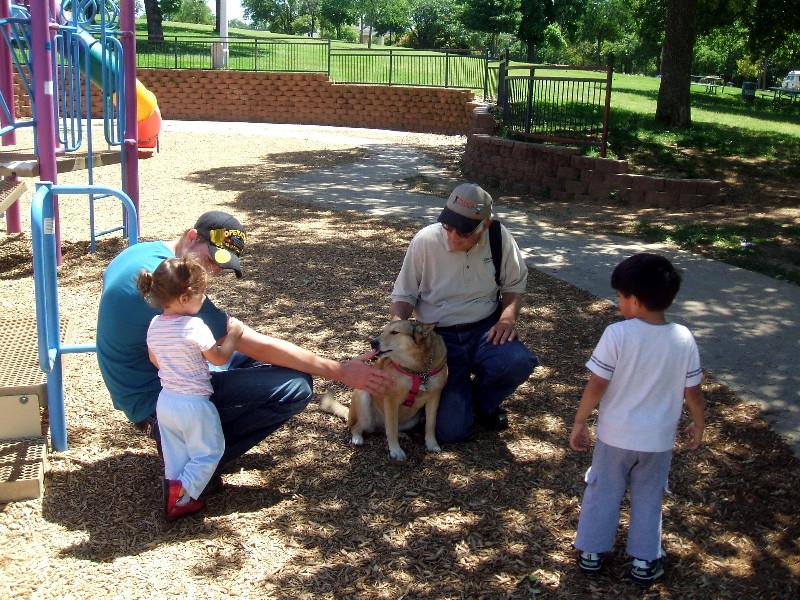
{"type": "Point", "coordinates": [556, 103]}
{"type": "Point", "coordinates": [391, 66]}
{"type": "Point", "coordinates": [242, 54]}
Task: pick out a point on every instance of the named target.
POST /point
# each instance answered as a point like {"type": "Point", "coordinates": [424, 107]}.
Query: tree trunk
{"type": "Point", "coordinates": [152, 10]}
{"type": "Point", "coordinates": [530, 54]}
{"type": "Point", "coordinates": [674, 101]}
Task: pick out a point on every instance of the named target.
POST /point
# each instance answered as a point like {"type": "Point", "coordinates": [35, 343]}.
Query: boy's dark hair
{"type": "Point", "coordinates": [649, 277]}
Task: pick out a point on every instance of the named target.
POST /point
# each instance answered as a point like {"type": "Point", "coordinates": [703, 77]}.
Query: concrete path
{"type": "Point", "coordinates": [747, 325]}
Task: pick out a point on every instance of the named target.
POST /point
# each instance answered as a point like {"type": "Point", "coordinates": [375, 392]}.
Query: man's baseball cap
{"type": "Point", "coordinates": [225, 236]}
{"type": "Point", "coordinates": [466, 207]}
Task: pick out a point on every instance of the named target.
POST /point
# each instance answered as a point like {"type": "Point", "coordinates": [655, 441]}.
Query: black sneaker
{"type": "Point", "coordinates": [214, 486]}
{"type": "Point", "coordinates": [645, 572]}
{"type": "Point", "coordinates": [497, 421]}
{"type": "Point", "coordinates": [149, 427]}
{"type": "Point", "coordinates": [591, 563]}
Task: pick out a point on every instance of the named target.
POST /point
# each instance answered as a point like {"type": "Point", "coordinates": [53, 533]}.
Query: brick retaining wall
{"type": "Point", "coordinates": [303, 98]}
{"type": "Point", "coordinates": [564, 174]}
{"type": "Point", "coordinates": [312, 99]}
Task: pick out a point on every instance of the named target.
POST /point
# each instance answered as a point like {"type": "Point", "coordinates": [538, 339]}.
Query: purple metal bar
{"type": "Point", "coordinates": [130, 145]}
{"type": "Point", "coordinates": [13, 214]}
{"type": "Point", "coordinates": [45, 130]}
{"type": "Point", "coordinates": [7, 78]}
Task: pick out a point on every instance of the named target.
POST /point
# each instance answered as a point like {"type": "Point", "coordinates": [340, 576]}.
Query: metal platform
{"type": "Point", "coordinates": [10, 191]}
{"type": "Point", "coordinates": [23, 396]}
{"type": "Point", "coordinates": [26, 164]}
{"type": "Point", "coordinates": [23, 463]}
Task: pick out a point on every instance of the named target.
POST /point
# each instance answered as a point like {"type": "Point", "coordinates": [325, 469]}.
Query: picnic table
{"type": "Point", "coordinates": [709, 82]}
{"type": "Point", "coordinates": [779, 93]}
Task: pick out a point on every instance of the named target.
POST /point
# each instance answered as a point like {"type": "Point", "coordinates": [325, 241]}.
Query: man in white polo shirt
{"type": "Point", "coordinates": [449, 277]}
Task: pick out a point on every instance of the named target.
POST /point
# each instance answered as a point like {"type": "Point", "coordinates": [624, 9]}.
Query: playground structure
{"type": "Point", "coordinates": [58, 52]}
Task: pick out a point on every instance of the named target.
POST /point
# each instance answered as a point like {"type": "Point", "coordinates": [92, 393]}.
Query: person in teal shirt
{"type": "Point", "coordinates": [267, 381]}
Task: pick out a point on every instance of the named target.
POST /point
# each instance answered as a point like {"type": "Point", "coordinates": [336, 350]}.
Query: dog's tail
{"type": "Point", "coordinates": [331, 405]}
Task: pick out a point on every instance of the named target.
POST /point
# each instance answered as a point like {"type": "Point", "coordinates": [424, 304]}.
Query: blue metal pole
{"type": "Point", "coordinates": [45, 278]}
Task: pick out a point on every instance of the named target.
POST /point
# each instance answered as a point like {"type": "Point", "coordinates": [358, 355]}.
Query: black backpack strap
{"type": "Point", "coordinates": [496, 248]}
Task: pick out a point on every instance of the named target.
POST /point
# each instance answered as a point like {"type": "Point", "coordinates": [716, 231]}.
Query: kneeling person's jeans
{"type": "Point", "coordinates": [481, 376]}
{"type": "Point", "coordinates": [253, 400]}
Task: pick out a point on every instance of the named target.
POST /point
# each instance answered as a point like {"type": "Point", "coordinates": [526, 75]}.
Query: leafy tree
{"type": "Point", "coordinates": [491, 16]}
{"type": "Point", "coordinates": [554, 46]}
{"type": "Point", "coordinates": [771, 23]}
{"type": "Point", "coordinates": [311, 9]}
{"type": "Point", "coordinates": [194, 11]}
{"type": "Point", "coordinates": [337, 13]}
{"type": "Point", "coordinates": [717, 51]}
{"type": "Point", "coordinates": [390, 16]}
{"type": "Point", "coordinates": [434, 24]}
{"type": "Point", "coordinates": [649, 17]}
{"type": "Point", "coordinates": [602, 24]}
{"type": "Point", "coordinates": [535, 18]}
{"type": "Point", "coordinates": [238, 24]}
{"type": "Point", "coordinates": [170, 8]}
{"type": "Point", "coordinates": [278, 15]}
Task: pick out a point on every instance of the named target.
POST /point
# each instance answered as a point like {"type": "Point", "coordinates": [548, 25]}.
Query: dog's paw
{"type": "Point", "coordinates": [433, 447]}
{"type": "Point", "coordinates": [357, 439]}
{"type": "Point", "coordinates": [397, 453]}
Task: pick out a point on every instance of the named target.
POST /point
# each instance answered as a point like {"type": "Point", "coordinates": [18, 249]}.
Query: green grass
{"type": "Point", "coordinates": [746, 143]}
{"type": "Point", "coordinates": [187, 46]}
{"type": "Point", "coordinates": [752, 146]}
{"type": "Point", "coordinates": [723, 125]}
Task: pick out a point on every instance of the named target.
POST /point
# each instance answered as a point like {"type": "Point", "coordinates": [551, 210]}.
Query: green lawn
{"type": "Point", "coordinates": [749, 145]}
{"type": "Point", "coordinates": [187, 46]}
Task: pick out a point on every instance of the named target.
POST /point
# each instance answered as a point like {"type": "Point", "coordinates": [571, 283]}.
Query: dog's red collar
{"type": "Point", "coordinates": [417, 380]}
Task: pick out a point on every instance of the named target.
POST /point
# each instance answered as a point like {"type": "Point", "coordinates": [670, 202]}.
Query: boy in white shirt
{"type": "Point", "coordinates": [643, 369]}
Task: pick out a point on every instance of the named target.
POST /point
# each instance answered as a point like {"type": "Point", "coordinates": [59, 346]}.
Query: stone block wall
{"type": "Point", "coordinates": [302, 98]}
{"type": "Point", "coordinates": [564, 174]}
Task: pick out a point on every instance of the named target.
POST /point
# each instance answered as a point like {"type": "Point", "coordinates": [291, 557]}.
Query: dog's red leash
{"type": "Point", "coordinates": [417, 379]}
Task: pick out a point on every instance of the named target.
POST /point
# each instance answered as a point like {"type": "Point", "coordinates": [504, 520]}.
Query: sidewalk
{"type": "Point", "coordinates": [747, 325]}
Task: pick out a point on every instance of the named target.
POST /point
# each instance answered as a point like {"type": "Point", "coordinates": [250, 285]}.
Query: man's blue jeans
{"type": "Point", "coordinates": [481, 376]}
{"type": "Point", "coordinates": [253, 400]}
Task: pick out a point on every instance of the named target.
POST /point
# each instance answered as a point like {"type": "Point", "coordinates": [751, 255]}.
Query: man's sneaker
{"type": "Point", "coordinates": [497, 421]}
{"type": "Point", "coordinates": [591, 563]}
{"type": "Point", "coordinates": [645, 572]}
{"type": "Point", "coordinates": [173, 510]}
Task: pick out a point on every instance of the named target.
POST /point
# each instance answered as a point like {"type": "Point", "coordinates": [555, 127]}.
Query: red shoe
{"type": "Point", "coordinates": [173, 511]}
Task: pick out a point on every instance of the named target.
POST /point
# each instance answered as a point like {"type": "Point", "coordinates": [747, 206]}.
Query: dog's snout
{"type": "Point", "coordinates": [376, 344]}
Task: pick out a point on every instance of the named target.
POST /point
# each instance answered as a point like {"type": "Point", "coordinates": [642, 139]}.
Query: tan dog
{"type": "Point", "coordinates": [416, 357]}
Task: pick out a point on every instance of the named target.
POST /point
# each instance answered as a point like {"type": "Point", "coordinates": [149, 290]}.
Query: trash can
{"type": "Point", "coordinates": [749, 91]}
{"type": "Point", "coordinates": [219, 55]}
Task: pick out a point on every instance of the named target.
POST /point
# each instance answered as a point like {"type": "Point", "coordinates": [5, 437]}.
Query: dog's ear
{"type": "Point", "coordinates": [421, 330]}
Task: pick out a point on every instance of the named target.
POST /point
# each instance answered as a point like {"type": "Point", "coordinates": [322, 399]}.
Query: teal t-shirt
{"type": "Point", "coordinates": [122, 321]}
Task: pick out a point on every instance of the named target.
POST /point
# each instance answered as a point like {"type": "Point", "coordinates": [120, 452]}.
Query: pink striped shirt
{"type": "Point", "coordinates": [177, 341]}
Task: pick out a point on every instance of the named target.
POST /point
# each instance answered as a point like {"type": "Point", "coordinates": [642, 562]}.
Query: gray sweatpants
{"type": "Point", "coordinates": [612, 470]}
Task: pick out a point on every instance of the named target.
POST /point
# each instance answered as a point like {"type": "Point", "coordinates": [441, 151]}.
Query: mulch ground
{"type": "Point", "coordinates": [305, 514]}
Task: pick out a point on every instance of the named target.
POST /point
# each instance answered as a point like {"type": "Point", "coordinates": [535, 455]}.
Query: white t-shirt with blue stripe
{"type": "Point", "coordinates": [649, 368]}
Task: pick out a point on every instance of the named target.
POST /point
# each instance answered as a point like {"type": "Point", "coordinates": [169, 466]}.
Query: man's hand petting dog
{"type": "Point", "coordinates": [361, 376]}
{"type": "Point", "coordinates": [414, 358]}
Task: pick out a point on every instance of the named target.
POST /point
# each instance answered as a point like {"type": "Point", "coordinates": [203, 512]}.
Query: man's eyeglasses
{"type": "Point", "coordinates": [459, 233]}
